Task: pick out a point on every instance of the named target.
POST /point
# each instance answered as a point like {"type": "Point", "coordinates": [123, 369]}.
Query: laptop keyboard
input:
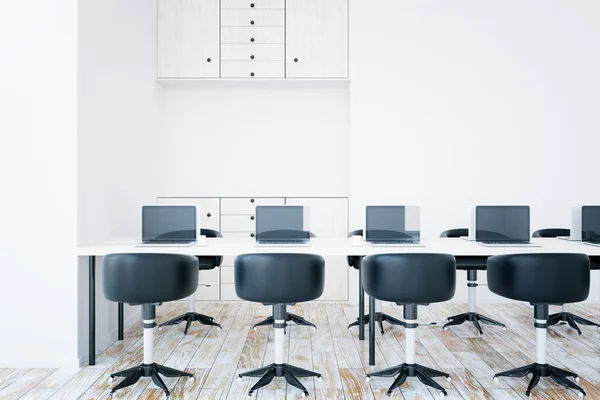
{"type": "Point", "coordinates": [167, 241]}
{"type": "Point", "coordinates": [504, 242]}
{"type": "Point", "coordinates": [393, 242]}
{"type": "Point", "coordinates": [283, 242]}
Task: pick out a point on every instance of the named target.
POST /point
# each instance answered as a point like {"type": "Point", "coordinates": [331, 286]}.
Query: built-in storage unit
{"type": "Point", "coordinates": [235, 217]}
{"type": "Point", "coordinates": [252, 39]}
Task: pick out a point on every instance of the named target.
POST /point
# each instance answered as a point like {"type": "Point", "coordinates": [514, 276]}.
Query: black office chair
{"type": "Point", "coordinates": [148, 280]}
{"type": "Point", "coordinates": [205, 263]}
{"type": "Point", "coordinates": [563, 317]}
{"type": "Point", "coordinates": [541, 279]}
{"type": "Point", "coordinates": [410, 280]}
{"type": "Point", "coordinates": [289, 317]}
{"type": "Point", "coordinates": [471, 315]}
{"type": "Point", "coordinates": [260, 278]}
{"type": "Point", "coordinates": [354, 262]}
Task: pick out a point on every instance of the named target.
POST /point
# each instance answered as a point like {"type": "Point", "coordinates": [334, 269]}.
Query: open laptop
{"type": "Point", "coordinates": [590, 225]}
{"type": "Point", "coordinates": [503, 226]}
{"type": "Point", "coordinates": [392, 226]}
{"type": "Point", "coordinates": [167, 226]}
{"type": "Point", "coordinates": [282, 226]}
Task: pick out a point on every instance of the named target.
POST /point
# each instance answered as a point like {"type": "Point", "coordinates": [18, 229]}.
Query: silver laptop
{"type": "Point", "coordinates": [503, 226]}
{"type": "Point", "coordinates": [282, 226]}
{"type": "Point", "coordinates": [590, 225]}
{"type": "Point", "coordinates": [168, 226]}
{"type": "Point", "coordinates": [393, 226]}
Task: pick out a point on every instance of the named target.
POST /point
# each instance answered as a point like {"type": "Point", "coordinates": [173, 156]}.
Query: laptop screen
{"type": "Point", "coordinates": [169, 223]}
{"type": "Point", "coordinates": [590, 223]}
{"type": "Point", "coordinates": [275, 223]}
{"type": "Point", "coordinates": [392, 223]}
{"type": "Point", "coordinates": [502, 223]}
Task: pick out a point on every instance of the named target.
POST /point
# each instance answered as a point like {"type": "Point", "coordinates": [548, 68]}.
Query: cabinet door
{"type": "Point", "coordinates": [317, 38]}
{"type": "Point", "coordinates": [328, 218]}
{"type": "Point", "coordinates": [187, 38]}
{"type": "Point", "coordinates": [208, 208]}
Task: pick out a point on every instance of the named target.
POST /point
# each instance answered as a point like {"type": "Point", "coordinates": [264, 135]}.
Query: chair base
{"type": "Point", "coordinates": [298, 320]}
{"type": "Point", "coordinates": [190, 317]}
{"type": "Point", "coordinates": [132, 375]}
{"type": "Point", "coordinates": [424, 374]}
{"type": "Point", "coordinates": [289, 372]}
{"type": "Point", "coordinates": [474, 317]}
{"type": "Point", "coordinates": [571, 319]}
{"type": "Point", "coordinates": [541, 371]}
{"type": "Point", "coordinates": [380, 318]}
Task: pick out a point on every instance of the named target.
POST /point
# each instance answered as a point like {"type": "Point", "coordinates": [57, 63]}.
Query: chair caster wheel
{"type": "Point", "coordinates": [219, 328]}
{"type": "Point", "coordinates": [113, 395]}
{"type": "Point", "coordinates": [111, 379]}
{"type": "Point", "coordinates": [577, 379]}
{"type": "Point", "coordinates": [167, 395]}
{"type": "Point", "coordinates": [443, 394]}
{"type": "Point", "coordinates": [528, 394]}
{"type": "Point", "coordinates": [191, 379]}
{"type": "Point", "coordinates": [368, 379]}
{"type": "Point", "coordinates": [255, 328]}
{"type": "Point", "coordinates": [389, 394]}
{"type": "Point", "coordinates": [160, 328]}
{"type": "Point", "coordinates": [349, 328]}
{"type": "Point", "coordinates": [496, 379]}
{"type": "Point", "coordinates": [320, 379]}
{"type": "Point", "coordinates": [239, 378]}
{"type": "Point", "coordinates": [445, 328]}
{"type": "Point", "coordinates": [580, 394]}
{"type": "Point", "coordinates": [305, 394]}
{"type": "Point", "coordinates": [504, 328]}
{"type": "Point", "coordinates": [448, 379]}
{"type": "Point", "coordinates": [314, 328]}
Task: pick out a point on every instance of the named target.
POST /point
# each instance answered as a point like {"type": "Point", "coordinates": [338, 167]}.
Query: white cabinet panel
{"type": "Point", "coordinates": [227, 275]}
{"type": "Point", "coordinates": [187, 38]}
{"type": "Point", "coordinates": [247, 205]}
{"type": "Point", "coordinates": [328, 218]}
{"type": "Point", "coordinates": [252, 35]}
{"type": "Point", "coordinates": [252, 4]}
{"type": "Point", "coordinates": [252, 18]}
{"type": "Point", "coordinates": [239, 235]}
{"type": "Point", "coordinates": [228, 261]}
{"type": "Point", "coordinates": [238, 223]}
{"type": "Point", "coordinates": [228, 292]}
{"type": "Point", "coordinates": [252, 69]}
{"type": "Point", "coordinates": [317, 38]}
{"type": "Point", "coordinates": [208, 277]}
{"type": "Point", "coordinates": [209, 208]}
{"type": "Point", "coordinates": [249, 52]}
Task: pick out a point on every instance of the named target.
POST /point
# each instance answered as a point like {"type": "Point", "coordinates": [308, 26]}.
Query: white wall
{"type": "Point", "coordinates": [119, 128]}
{"type": "Point", "coordinates": [38, 160]}
{"type": "Point", "coordinates": [461, 103]}
{"type": "Point", "coordinates": [256, 139]}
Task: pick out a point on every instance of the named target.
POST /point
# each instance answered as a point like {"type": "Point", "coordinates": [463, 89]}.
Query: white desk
{"type": "Point", "coordinates": [466, 253]}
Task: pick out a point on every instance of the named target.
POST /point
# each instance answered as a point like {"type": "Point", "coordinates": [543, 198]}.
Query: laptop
{"type": "Point", "coordinates": [282, 226]}
{"type": "Point", "coordinates": [168, 226]}
{"type": "Point", "coordinates": [590, 225]}
{"type": "Point", "coordinates": [503, 226]}
{"type": "Point", "coordinates": [392, 226]}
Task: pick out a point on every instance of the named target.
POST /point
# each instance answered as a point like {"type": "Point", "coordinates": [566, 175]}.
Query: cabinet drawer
{"type": "Point", "coordinates": [208, 277]}
{"type": "Point", "coordinates": [227, 275]}
{"type": "Point", "coordinates": [252, 35]}
{"type": "Point", "coordinates": [208, 293]}
{"type": "Point", "coordinates": [228, 292]}
{"type": "Point", "coordinates": [253, 69]}
{"type": "Point", "coordinates": [252, 18]}
{"type": "Point", "coordinates": [252, 4]}
{"type": "Point", "coordinates": [247, 205]}
{"type": "Point", "coordinates": [258, 52]}
{"type": "Point", "coordinates": [239, 235]}
{"type": "Point", "coordinates": [238, 223]}
{"type": "Point", "coordinates": [228, 261]}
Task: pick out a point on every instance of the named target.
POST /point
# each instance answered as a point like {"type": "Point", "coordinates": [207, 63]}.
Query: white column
{"type": "Point", "coordinates": [540, 341]}
{"type": "Point", "coordinates": [279, 343]}
{"type": "Point", "coordinates": [410, 338]}
{"type": "Point", "coordinates": [192, 303]}
{"type": "Point", "coordinates": [472, 297]}
{"type": "Point", "coordinates": [564, 308]}
{"type": "Point", "coordinates": [378, 304]}
{"type": "Point", "coordinates": [149, 342]}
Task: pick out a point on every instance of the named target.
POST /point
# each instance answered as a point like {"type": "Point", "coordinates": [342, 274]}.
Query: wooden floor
{"type": "Point", "coordinates": [216, 357]}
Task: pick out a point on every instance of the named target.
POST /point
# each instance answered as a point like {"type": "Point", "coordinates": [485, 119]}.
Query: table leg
{"type": "Point", "coordinates": [361, 307]}
{"type": "Point", "coordinates": [371, 330]}
{"type": "Point", "coordinates": [92, 310]}
{"type": "Point", "coordinates": [120, 330]}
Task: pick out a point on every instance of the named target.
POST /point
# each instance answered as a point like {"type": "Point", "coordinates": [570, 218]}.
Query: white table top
{"type": "Point", "coordinates": [339, 247]}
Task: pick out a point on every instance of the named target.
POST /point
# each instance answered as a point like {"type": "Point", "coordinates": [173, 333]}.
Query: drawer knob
{"type": "Point", "coordinates": [251, 200]}
{"type": "Point", "coordinates": [251, 22]}
{"type": "Point", "coordinates": [251, 73]}
{"type": "Point", "coordinates": [252, 5]}
{"type": "Point", "coordinates": [252, 39]}
{"type": "Point", "coordinates": [252, 235]}
{"type": "Point", "coordinates": [252, 57]}
{"type": "Point", "coordinates": [252, 218]}
{"type": "Point", "coordinates": [208, 59]}
{"type": "Point", "coordinates": [208, 215]}
{"type": "Point", "coordinates": [295, 60]}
